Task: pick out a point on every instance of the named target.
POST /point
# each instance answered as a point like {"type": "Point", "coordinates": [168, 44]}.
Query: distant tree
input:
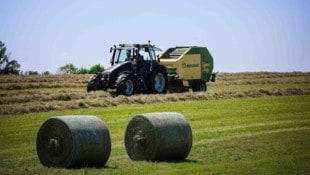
{"type": "Point", "coordinates": [46, 73]}
{"type": "Point", "coordinates": [67, 69]}
{"type": "Point", "coordinates": [31, 72]}
{"type": "Point", "coordinates": [7, 66]}
{"type": "Point", "coordinates": [96, 68]}
{"type": "Point", "coordinates": [82, 71]}
{"type": "Point", "coordinates": [3, 57]}
{"type": "Point", "coordinates": [12, 67]}
{"type": "Point", "coordinates": [71, 69]}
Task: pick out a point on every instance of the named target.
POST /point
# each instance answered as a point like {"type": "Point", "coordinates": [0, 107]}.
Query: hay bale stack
{"type": "Point", "coordinates": [73, 141]}
{"type": "Point", "coordinates": [158, 137]}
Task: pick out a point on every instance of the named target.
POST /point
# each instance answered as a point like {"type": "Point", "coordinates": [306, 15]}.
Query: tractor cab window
{"type": "Point", "coordinates": [122, 55]}
{"type": "Point", "coordinates": [148, 53]}
{"type": "Point", "coordinates": [144, 54]}
{"type": "Point", "coordinates": [152, 53]}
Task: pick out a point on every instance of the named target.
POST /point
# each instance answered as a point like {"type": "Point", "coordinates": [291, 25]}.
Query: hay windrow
{"type": "Point", "coordinates": [34, 106]}
{"type": "Point", "coordinates": [29, 99]}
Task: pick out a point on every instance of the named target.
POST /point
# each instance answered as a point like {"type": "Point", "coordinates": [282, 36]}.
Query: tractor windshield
{"type": "Point", "coordinates": [123, 54]}
{"type": "Point", "coordinates": [128, 52]}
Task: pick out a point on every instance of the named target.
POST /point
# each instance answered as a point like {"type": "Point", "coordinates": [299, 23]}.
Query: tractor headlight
{"type": "Point", "coordinates": [105, 79]}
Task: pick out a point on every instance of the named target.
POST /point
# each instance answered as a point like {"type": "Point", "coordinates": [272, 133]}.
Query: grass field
{"type": "Point", "coordinates": [238, 128]}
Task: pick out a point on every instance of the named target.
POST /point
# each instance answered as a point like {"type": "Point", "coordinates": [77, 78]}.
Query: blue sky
{"type": "Point", "coordinates": [242, 35]}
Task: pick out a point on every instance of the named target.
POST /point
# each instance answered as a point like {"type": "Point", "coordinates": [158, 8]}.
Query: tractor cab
{"type": "Point", "coordinates": [140, 56]}
{"type": "Point", "coordinates": [133, 52]}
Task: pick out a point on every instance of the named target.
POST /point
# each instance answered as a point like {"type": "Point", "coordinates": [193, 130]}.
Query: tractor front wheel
{"type": "Point", "coordinates": [126, 84]}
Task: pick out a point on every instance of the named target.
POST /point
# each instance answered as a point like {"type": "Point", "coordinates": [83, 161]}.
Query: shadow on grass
{"type": "Point", "coordinates": [92, 167]}
{"type": "Point", "coordinates": [109, 167]}
{"type": "Point", "coordinates": [178, 161]}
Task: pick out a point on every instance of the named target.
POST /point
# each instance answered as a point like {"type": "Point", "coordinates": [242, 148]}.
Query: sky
{"type": "Point", "coordinates": [241, 35]}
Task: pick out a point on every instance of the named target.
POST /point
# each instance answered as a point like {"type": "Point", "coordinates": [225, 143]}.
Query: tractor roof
{"type": "Point", "coordinates": [139, 46]}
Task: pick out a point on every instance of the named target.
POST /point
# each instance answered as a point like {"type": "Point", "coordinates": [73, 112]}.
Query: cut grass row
{"type": "Point", "coordinates": [67, 94]}
{"type": "Point", "coordinates": [13, 82]}
{"type": "Point", "coordinates": [24, 94]}
{"type": "Point", "coordinates": [266, 135]}
{"type": "Point", "coordinates": [45, 101]}
{"type": "Point", "coordinates": [248, 87]}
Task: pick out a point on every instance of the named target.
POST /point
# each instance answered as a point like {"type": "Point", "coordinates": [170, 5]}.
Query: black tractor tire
{"type": "Point", "coordinates": [199, 86]}
{"type": "Point", "coordinates": [94, 83]}
{"type": "Point", "coordinates": [158, 81]}
{"type": "Point", "coordinates": [126, 84]}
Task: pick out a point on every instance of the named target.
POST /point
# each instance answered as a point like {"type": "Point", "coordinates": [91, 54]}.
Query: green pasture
{"type": "Point", "coordinates": [266, 135]}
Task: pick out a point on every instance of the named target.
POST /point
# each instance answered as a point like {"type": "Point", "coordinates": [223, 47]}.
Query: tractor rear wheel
{"type": "Point", "coordinates": [126, 84]}
{"type": "Point", "coordinates": [158, 82]}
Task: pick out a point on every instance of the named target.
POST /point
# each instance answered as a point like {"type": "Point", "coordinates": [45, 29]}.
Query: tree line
{"type": "Point", "coordinates": [71, 69]}
{"type": "Point", "coordinates": [8, 66]}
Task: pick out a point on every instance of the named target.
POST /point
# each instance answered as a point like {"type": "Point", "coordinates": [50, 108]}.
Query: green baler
{"type": "Point", "coordinates": [188, 67]}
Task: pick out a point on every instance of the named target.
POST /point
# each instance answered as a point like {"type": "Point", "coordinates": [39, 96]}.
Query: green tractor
{"type": "Point", "coordinates": [135, 68]}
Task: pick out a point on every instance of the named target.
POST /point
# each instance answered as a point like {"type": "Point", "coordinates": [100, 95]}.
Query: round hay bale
{"type": "Point", "coordinates": [158, 137]}
{"type": "Point", "coordinates": [73, 141]}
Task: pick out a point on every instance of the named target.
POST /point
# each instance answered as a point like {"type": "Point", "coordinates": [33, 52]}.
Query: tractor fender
{"type": "Point", "coordinates": [157, 67]}
{"type": "Point", "coordinates": [124, 73]}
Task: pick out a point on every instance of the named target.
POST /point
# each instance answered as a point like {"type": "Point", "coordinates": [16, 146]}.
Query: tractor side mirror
{"type": "Point", "coordinates": [111, 49]}
{"type": "Point", "coordinates": [111, 61]}
{"type": "Point", "coordinates": [158, 59]}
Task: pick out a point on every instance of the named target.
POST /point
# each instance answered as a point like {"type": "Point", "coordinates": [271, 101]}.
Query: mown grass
{"type": "Point", "coordinates": [39, 93]}
{"type": "Point", "coordinates": [248, 87]}
{"type": "Point", "coordinates": [266, 135]}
